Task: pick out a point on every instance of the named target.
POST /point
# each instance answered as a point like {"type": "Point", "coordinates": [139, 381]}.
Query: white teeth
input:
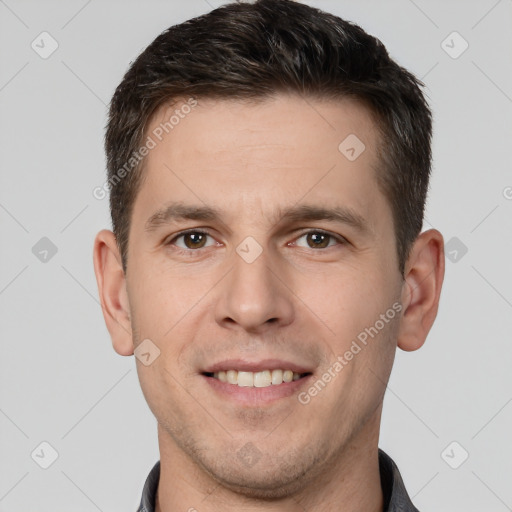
{"type": "Point", "coordinates": [287, 376]}
{"type": "Point", "coordinates": [261, 379]}
{"type": "Point", "coordinates": [246, 379]}
{"type": "Point", "coordinates": [277, 377]}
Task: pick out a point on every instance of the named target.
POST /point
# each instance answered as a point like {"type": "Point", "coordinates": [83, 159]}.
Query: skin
{"type": "Point", "coordinates": [296, 301]}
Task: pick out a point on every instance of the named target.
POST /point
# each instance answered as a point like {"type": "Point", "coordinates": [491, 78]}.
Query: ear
{"type": "Point", "coordinates": [112, 290]}
{"type": "Point", "coordinates": [424, 274]}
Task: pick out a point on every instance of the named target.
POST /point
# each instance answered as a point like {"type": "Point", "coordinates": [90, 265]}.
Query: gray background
{"type": "Point", "coordinates": [61, 381]}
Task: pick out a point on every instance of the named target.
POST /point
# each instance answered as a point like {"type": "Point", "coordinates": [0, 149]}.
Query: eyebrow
{"type": "Point", "coordinates": [177, 211]}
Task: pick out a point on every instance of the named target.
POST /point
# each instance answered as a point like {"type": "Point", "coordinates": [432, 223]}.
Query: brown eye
{"type": "Point", "coordinates": [191, 240]}
{"type": "Point", "coordinates": [194, 240]}
{"type": "Point", "coordinates": [316, 240]}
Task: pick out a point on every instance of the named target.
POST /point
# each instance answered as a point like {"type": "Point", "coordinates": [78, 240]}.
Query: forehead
{"type": "Point", "coordinates": [254, 156]}
{"type": "Point", "coordinates": [304, 125]}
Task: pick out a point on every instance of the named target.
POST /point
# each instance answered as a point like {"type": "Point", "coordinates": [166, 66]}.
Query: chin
{"type": "Point", "coordinates": [269, 478]}
{"type": "Point", "coordinates": [262, 486]}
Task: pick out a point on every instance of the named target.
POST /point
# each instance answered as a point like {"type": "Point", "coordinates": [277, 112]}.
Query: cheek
{"type": "Point", "coordinates": [160, 298]}
{"type": "Point", "coordinates": [347, 303]}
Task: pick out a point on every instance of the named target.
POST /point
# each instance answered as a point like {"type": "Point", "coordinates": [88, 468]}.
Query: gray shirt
{"type": "Point", "coordinates": [396, 498]}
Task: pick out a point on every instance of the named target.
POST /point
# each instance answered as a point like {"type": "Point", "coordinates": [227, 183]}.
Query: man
{"type": "Point", "coordinates": [268, 168]}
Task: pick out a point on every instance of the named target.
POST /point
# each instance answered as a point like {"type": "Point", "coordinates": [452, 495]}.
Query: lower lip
{"type": "Point", "coordinates": [250, 396]}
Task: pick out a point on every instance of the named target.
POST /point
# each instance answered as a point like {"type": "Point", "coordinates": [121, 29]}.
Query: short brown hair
{"type": "Point", "coordinates": [254, 50]}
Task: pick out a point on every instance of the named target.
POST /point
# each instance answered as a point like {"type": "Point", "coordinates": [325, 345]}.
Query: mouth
{"type": "Point", "coordinates": [256, 384]}
{"type": "Point", "coordinates": [261, 379]}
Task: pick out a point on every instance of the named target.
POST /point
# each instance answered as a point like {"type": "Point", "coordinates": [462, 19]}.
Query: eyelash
{"type": "Point", "coordinates": [189, 252]}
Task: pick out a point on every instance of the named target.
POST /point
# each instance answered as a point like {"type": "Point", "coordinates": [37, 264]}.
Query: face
{"type": "Point", "coordinates": [255, 239]}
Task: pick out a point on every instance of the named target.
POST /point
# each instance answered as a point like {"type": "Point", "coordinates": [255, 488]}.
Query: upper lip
{"type": "Point", "coordinates": [256, 366]}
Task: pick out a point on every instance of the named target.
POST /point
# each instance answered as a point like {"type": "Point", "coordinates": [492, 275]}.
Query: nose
{"type": "Point", "coordinates": [255, 295]}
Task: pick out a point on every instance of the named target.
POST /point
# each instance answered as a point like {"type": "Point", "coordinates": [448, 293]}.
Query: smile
{"type": "Point", "coordinates": [261, 379]}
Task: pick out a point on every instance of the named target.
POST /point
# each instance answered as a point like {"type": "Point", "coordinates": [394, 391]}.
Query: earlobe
{"type": "Point", "coordinates": [422, 289]}
{"type": "Point", "coordinates": [112, 290]}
